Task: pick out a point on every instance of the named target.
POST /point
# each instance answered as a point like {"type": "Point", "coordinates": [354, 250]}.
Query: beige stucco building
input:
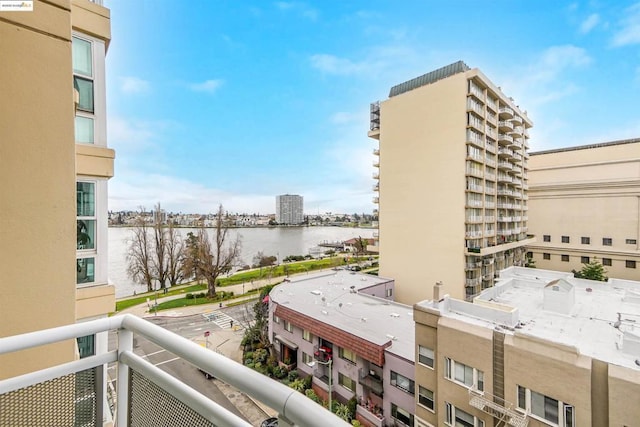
{"type": "Point", "coordinates": [452, 183]}
{"type": "Point", "coordinates": [54, 168]}
{"type": "Point", "coordinates": [585, 205]}
{"type": "Point", "coordinates": [539, 348]}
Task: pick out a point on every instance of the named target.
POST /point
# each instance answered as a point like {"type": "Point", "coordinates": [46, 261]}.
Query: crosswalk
{"type": "Point", "coordinates": [222, 320]}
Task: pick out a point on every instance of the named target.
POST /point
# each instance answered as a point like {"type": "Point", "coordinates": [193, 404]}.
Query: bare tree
{"type": "Point", "coordinates": [139, 263]}
{"type": "Point", "coordinates": [175, 255]}
{"type": "Point", "coordinates": [214, 255]}
{"type": "Point", "coordinates": [159, 259]}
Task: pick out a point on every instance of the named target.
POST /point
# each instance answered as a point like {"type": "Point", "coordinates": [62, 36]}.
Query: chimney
{"type": "Point", "coordinates": [437, 290]}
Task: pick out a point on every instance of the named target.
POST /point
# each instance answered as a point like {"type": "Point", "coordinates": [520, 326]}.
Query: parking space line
{"type": "Point", "coordinates": [167, 361]}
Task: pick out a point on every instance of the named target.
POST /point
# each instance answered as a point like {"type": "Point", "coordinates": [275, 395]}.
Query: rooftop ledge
{"type": "Point", "coordinates": [490, 250]}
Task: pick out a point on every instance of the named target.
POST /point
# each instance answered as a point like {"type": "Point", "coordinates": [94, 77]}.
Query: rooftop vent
{"type": "Point", "coordinates": [559, 296]}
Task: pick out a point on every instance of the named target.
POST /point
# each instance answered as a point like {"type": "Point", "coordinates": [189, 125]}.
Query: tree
{"type": "Point", "coordinates": [530, 262]}
{"type": "Point", "coordinates": [159, 260]}
{"type": "Point", "coordinates": [139, 264]}
{"type": "Point", "coordinates": [216, 256]}
{"type": "Point", "coordinates": [592, 271]}
{"type": "Point", "coordinates": [191, 261]}
{"type": "Point", "coordinates": [175, 255]}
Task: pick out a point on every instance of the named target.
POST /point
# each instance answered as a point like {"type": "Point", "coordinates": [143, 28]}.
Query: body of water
{"type": "Point", "coordinates": [278, 241]}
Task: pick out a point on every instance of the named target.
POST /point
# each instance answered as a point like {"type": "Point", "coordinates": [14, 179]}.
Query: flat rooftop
{"type": "Point", "coordinates": [600, 319]}
{"type": "Point", "coordinates": [340, 299]}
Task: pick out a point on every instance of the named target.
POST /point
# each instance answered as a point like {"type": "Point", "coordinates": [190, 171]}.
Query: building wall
{"type": "Point", "coordinates": [623, 385]}
{"type": "Point", "coordinates": [289, 209]}
{"type": "Point", "coordinates": [37, 176]}
{"type": "Point", "coordinates": [422, 182]}
{"type": "Point", "coordinates": [39, 166]}
{"type": "Point", "coordinates": [471, 224]}
{"type": "Point", "coordinates": [592, 192]}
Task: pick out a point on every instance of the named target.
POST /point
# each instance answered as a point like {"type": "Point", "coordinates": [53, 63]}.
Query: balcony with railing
{"type": "Point", "coordinates": [374, 116]}
{"type": "Point", "coordinates": [506, 112]}
{"type": "Point", "coordinates": [74, 393]}
{"type": "Point", "coordinates": [505, 126]}
{"type": "Point", "coordinates": [376, 151]}
{"type": "Point", "coordinates": [504, 139]}
{"type": "Point", "coordinates": [473, 282]}
{"type": "Point", "coordinates": [498, 408]}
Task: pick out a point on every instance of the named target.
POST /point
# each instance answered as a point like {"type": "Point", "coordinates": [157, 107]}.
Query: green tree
{"type": "Point", "coordinates": [530, 263]}
{"type": "Point", "coordinates": [592, 271]}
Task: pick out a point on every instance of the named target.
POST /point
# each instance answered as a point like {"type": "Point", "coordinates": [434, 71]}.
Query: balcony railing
{"type": "Point", "coordinates": [73, 392]}
{"type": "Point", "coordinates": [498, 408]}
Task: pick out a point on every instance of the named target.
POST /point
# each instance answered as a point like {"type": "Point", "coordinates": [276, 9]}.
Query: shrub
{"type": "Point", "coordinates": [352, 404]}
{"type": "Point", "coordinates": [298, 385]}
{"type": "Point", "coordinates": [279, 372]}
{"type": "Point", "coordinates": [342, 411]}
{"type": "Point", "coordinates": [307, 381]}
{"type": "Point", "coordinates": [248, 355]}
{"type": "Point", "coordinates": [260, 355]}
{"type": "Point", "coordinates": [312, 395]}
{"type": "Point", "coordinates": [189, 296]}
{"type": "Point", "coordinates": [356, 423]}
{"type": "Point", "coordinates": [292, 376]}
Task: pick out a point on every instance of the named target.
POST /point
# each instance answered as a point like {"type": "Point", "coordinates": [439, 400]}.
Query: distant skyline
{"type": "Point", "coordinates": [233, 103]}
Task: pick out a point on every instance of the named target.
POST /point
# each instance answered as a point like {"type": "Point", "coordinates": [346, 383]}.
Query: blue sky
{"type": "Point", "coordinates": [235, 102]}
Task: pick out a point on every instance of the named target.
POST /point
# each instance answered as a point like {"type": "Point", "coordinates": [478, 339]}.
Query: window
{"type": "Point", "coordinates": [529, 255]}
{"type": "Point", "coordinates": [82, 58]}
{"type": "Point", "coordinates": [565, 239]}
{"type": "Point", "coordinates": [630, 264]}
{"type": "Point", "coordinates": [288, 326]}
{"type": "Point", "coordinates": [464, 375]}
{"type": "Point", "coordinates": [546, 238]}
{"type": "Point", "coordinates": [346, 382]}
{"type": "Point", "coordinates": [425, 356]}
{"type": "Point", "coordinates": [606, 261]}
{"type": "Point", "coordinates": [276, 319]}
{"type": "Point", "coordinates": [307, 359]}
{"type": "Point", "coordinates": [307, 336]}
{"type": "Point", "coordinates": [86, 346]}
{"type": "Point", "coordinates": [459, 418]}
{"type": "Point", "coordinates": [607, 241]}
{"type": "Point", "coordinates": [402, 382]}
{"type": "Point", "coordinates": [389, 293]}
{"type": "Point", "coordinates": [546, 408]}
{"type": "Point", "coordinates": [405, 417]}
{"type": "Point", "coordinates": [584, 259]}
{"type": "Point", "coordinates": [631, 241]}
{"type": "Point", "coordinates": [585, 240]}
{"type": "Point", "coordinates": [546, 256]}
{"type": "Point", "coordinates": [86, 231]}
{"type": "Point", "coordinates": [425, 398]}
{"type": "Point", "coordinates": [564, 258]}
{"type": "Point", "coordinates": [347, 354]}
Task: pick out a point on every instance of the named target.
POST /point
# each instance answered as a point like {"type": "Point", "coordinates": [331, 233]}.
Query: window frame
{"type": "Point", "coordinates": [546, 256]}
{"type": "Point", "coordinates": [348, 355]}
{"type": "Point", "coordinates": [427, 399]}
{"type": "Point", "coordinates": [607, 262]}
{"type": "Point", "coordinates": [477, 376]}
{"type": "Point", "coordinates": [524, 404]}
{"type": "Point", "coordinates": [546, 238]}
{"type": "Point", "coordinates": [564, 258]}
{"type": "Point", "coordinates": [393, 380]}
{"type": "Point", "coordinates": [585, 240]}
{"type": "Point", "coordinates": [91, 78]}
{"type": "Point", "coordinates": [583, 258]}
{"type": "Point", "coordinates": [607, 241]}
{"type": "Point", "coordinates": [86, 257]}
{"type": "Point", "coordinates": [631, 241]}
{"type": "Point", "coordinates": [394, 413]}
{"type": "Point", "coordinates": [342, 379]}
{"type": "Point", "coordinates": [307, 335]}
{"type": "Point", "coordinates": [566, 239]}
{"type": "Point", "coordinates": [288, 326]}
{"type": "Point", "coordinates": [630, 263]}
{"type": "Point", "coordinates": [432, 358]}
{"type": "Point", "coordinates": [451, 417]}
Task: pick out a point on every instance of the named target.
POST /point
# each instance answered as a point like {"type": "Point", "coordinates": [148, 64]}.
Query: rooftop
{"type": "Point", "coordinates": [345, 300]}
{"type": "Point", "coordinates": [598, 319]}
{"type": "Point", "coordinates": [587, 147]}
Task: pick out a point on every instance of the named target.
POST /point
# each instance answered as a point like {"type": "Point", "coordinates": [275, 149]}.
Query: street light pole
{"type": "Point", "coordinates": [330, 364]}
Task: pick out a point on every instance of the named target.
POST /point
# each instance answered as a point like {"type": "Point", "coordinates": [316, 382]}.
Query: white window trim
{"type": "Point", "coordinates": [450, 411]}
{"type": "Point", "coordinates": [449, 374]}
{"type": "Point", "coordinates": [433, 399]}
{"type": "Point", "coordinates": [561, 409]}
{"type": "Point", "coordinates": [433, 357]}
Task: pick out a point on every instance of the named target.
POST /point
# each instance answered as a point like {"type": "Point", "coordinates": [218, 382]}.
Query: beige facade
{"type": "Point", "coordinates": [506, 356]}
{"type": "Point", "coordinates": [452, 183]}
{"type": "Point", "coordinates": [585, 205]}
{"type": "Point", "coordinates": [40, 164]}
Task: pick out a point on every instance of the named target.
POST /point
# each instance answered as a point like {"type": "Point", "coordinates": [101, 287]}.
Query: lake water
{"type": "Point", "coordinates": [279, 241]}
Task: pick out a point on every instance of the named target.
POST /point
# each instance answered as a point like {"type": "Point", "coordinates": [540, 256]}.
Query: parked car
{"type": "Point", "coordinates": [270, 422]}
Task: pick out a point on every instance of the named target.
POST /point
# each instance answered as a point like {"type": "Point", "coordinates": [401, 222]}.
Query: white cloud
{"type": "Point", "coordinates": [209, 86]}
{"type": "Point", "coordinates": [132, 85]}
{"type": "Point", "coordinates": [590, 23]}
{"type": "Point", "coordinates": [302, 8]}
{"type": "Point", "coordinates": [629, 32]}
{"type": "Point", "coordinates": [130, 135]}
{"type": "Point", "coordinates": [332, 64]}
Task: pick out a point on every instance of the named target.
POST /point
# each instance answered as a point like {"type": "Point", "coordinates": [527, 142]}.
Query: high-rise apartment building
{"type": "Point", "coordinates": [585, 206]}
{"type": "Point", "coordinates": [289, 209]}
{"type": "Point", "coordinates": [452, 183]}
{"type": "Point", "coordinates": [54, 168]}
{"type": "Point", "coordinates": [540, 348]}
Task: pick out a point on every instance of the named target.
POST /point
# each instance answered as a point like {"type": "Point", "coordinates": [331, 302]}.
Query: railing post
{"type": "Point", "coordinates": [125, 343]}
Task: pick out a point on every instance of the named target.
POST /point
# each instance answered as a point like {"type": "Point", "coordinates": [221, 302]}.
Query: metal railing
{"type": "Point", "coordinates": [140, 384]}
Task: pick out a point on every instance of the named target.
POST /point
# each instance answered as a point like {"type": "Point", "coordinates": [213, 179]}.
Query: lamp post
{"type": "Point", "coordinates": [329, 363]}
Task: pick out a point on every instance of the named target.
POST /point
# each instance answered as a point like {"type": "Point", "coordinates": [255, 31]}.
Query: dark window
{"type": "Point", "coordinates": [529, 254]}
{"type": "Point", "coordinates": [606, 261]}
{"type": "Point", "coordinates": [546, 256]}
{"type": "Point", "coordinates": [565, 239]}
{"type": "Point", "coordinates": [85, 89]}
{"type": "Point", "coordinates": [607, 241]}
{"type": "Point", "coordinates": [565, 258]}
{"type": "Point", "coordinates": [631, 241]}
{"type": "Point", "coordinates": [630, 264]}
{"type": "Point", "coordinates": [584, 259]}
{"type": "Point", "coordinates": [425, 397]}
{"type": "Point", "coordinates": [585, 240]}
{"type": "Point", "coordinates": [546, 238]}
{"type": "Point", "coordinates": [86, 346]}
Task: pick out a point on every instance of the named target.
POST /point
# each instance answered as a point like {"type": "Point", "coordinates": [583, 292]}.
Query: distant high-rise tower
{"type": "Point", "coordinates": [452, 183]}
{"type": "Point", "coordinates": [289, 209]}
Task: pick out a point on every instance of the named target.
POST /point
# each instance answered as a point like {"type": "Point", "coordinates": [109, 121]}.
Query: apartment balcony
{"type": "Point", "coordinates": [490, 219]}
{"type": "Point", "coordinates": [474, 203]}
{"type": "Point", "coordinates": [376, 164]}
{"type": "Point", "coordinates": [503, 177]}
{"type": "Point", "coordinates": [372, 414]}
{"type": "Point", "coordinates": [489, 176]}
{"type": "Point", "coordinates": [506, 112]}
{"type": "Point", "coordinates": [376, 187]}
{"type": "Point", "coordinates": [517, 181]}
{"type": "Point", "coordinates": [518, 130]}
{"type": "Point", "coordinates": [498, 408]}
{"type": "Point", "coordinates": [505, 126]}
{"type": "Point", "coordinates": [371, 380]}
{"type": "Point", "coordinates": [505, 192]}
{"type": "Point", "coordinates": [504, 232]}
{"type": "Point", "coordinates": [473, 265]}
{"type": "Point", "coordinates": [516, 144]}
{"type": "Point", "coordinates": [505, 218]}
{"type": "Point", "coordinates": [517, 169]}
{"type": "Point", "coordinates": [489, 233]}
{"type": "Point", "coordinates": [475, 107]}
{"type": "Point", "coordinates": [475, 172]}
{"type": "Point", "coordinates": [376, 175]}
{"type": "Point", "coordinates": [489, 205]}
{"type": "Point", "coordinates": [516, 120]}
{"type": "Point", "coordinates": [505, 165]}
{"type": "Point", "coordinates": [476, 91]}
{"type": "Point", "coordinates": [490, 162]}
{"type": "Point", "coordinates": [505, 152]}
{"type": "Point", "coordinates": [376, 151]}
{"type": "Point", "coordinates": [73, 393]}
{"type": "Point", "coordinates": [504, 139]}
{"type": "Point", "coordinates": [475, 156]}
{"type": "Point", "coordinates": [491, 146]}
{"type": "Point", "coordinates": [376, 212]}
{"type": "Point", "coordinates": [474, 219]}
{"type": "Point", "coordinates": [477, 234]}
{"type": "Point", "coordinates": [488, 261]}
{"type": "Point", "coordinates": [491, 104]}
{"type": "Point", "coordinates": [489, 190]}
{"type": "Point", "coordinates": [475, 188]}
{"type": "Point", "coordinates": [505, 205]}
{"type": "Point", "coordinates": [473, 282]}
{"type": "Point", "coordinates": [376, 200]}
{"type": "Point", "coordinates": [374, 116]}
